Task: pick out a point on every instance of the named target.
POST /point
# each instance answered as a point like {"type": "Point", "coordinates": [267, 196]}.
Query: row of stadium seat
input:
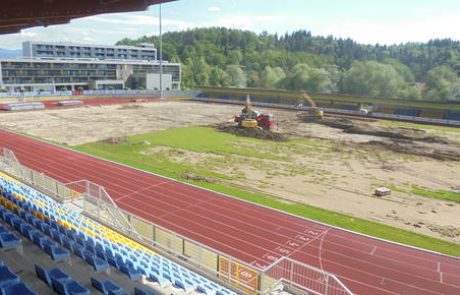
{"type": "Point", "coordinates": [452, 116]}
{"type": "Point", "coordinates": [8, 240]}
{"type": "Point", "coordinates": [408, 112]}
{"type": "Point", "coordinates": [97, 244]}
{"type": "Point", "coordinates": [55, 278]}
{"type": "Point", "coordinates": [10, 283]}
{"type": "Point", "coordinates": [61, 283]}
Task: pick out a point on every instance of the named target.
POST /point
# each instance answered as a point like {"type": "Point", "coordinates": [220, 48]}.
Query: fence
{"type": "Point", "coordinates": [95, 202]}
{"type": "Point", "coordinates": [121, 93]}
{"type": "Point", "coordinates": [301, 278]}
{"type": "Point", "coordinates": [48, 185]}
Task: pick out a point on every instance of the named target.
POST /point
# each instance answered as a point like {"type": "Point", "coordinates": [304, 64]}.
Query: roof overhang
{"type": "Point", "coordinates": [16, 15]}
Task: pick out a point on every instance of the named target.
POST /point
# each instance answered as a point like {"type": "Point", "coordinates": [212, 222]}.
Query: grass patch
{"type": "Point", "coordinates": [199, 139]}
{"type": "Point", "coordinates": [424, 192]}
{"type": "Point", "coordinates": [204, 140]}
{"type": "Point", "coordinates": [439, 194]}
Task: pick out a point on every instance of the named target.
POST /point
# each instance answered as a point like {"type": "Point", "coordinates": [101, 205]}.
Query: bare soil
{"type": "Point", "coordinates": [252, 132]}
{"type": "Point", "coordinates": [338, 168]}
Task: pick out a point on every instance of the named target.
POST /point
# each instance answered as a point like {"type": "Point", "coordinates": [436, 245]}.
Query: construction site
{"type": "Point", "coordinates": [333, 163]}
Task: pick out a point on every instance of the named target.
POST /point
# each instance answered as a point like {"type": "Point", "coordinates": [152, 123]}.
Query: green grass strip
{"type": "Point", "coordinates": [439, 194]}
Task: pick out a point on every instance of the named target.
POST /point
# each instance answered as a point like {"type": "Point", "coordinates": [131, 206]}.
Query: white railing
{"type": "Point", "coordinates": [81, 191]}
{"type": "Point", "coordinates": [300, 278]}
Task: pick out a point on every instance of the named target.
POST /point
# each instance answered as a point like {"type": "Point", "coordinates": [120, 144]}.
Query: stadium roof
{"type": "Point", "coordinates": [16, 15]}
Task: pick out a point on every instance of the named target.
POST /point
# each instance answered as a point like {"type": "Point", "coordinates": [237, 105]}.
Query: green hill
{"type": "Point", "coordinates": [300, 61]}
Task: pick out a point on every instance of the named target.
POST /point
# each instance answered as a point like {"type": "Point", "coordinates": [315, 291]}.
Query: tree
{"type": "Point", "coordinates": [372, 79]}
{"type": "Point", "coordinates": [443, 84]}
{"type": "Point", "coordinates": [219, 78]}
{"type": "Point", "coordinates": [305, 77]}
{"type": "Point", "coordinates": [195, 73]}
{"type": "Point", "coordinates": [270, 77]}
{"type": "Point", "coordinates": [237, 77]}
{"type": "Point", "coordinates": [234, 57]}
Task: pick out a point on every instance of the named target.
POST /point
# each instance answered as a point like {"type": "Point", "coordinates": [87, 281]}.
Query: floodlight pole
{"type": "Point", "coordinates": [161, 56]}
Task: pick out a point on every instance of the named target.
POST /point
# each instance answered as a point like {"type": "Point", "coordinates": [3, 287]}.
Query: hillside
{"type": "Point", "coordinates": [296, 61]}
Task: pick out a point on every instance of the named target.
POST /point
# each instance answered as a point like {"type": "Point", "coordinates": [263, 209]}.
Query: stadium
{"type": "Point", "coordinates": [76, 219]}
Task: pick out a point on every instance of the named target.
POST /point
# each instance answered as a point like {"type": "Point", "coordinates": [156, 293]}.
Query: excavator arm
{"type": "Point", "coordinates": [314, 111]}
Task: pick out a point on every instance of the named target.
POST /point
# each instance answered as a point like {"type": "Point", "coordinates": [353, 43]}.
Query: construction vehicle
{"type": "Point", "coordinates": [313, 111]}
{"type": "Point", "coordinates": [250, 118]}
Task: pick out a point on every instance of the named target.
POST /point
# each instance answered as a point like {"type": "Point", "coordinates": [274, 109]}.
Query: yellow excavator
{"type": "Point", "coordinates": [248, 117]}
{"type": "Point", "coordinates": [314, 111]}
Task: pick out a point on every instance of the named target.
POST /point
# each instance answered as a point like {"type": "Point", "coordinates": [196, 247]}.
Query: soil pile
{"type": "Point", "coordinates": [258, 133]}
{"type": "Point", "coordinates": [408, 147]}
{"type": "Point", "coordinates": [351, 127]}
{"type": "Point", "coordinates": [115, 141]}
{"type": "Point", "coordinates": [190, 176]}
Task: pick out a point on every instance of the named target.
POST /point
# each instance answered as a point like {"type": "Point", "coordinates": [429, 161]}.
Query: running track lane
{"type": "Point", "coordinates": [257, 235]}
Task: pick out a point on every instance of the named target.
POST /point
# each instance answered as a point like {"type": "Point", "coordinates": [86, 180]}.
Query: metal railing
{"type": "Point", "coordinates": [300, 278]}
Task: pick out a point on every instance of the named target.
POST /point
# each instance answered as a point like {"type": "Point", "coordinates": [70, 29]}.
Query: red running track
{"type": "Point", "coordinates": [53, 104]}
{"type": "Point", "coordinates": [249, 232]}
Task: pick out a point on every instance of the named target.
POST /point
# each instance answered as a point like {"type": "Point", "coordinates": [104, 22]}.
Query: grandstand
{"type": "Point", "coordinates": [70, 239]}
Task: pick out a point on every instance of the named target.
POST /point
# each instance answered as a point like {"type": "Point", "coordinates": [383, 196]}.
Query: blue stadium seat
{"type": "Point", "coordinates": [163, 282]}
{"type": "Point", "coordinates": [131, 271]}
{"type": "Point", "coordinates": [43, 275]}
{"type": "Point", "coordinates": [452, 116]}
{"type": "Point", "coordinates": [9, 240]}
{"type": "Point", "coordinates": [408, 112]}
{"type": "Point", "coordinates": [68, 287]}
{"type": "Point", "coordinates": [205, 289]}
{"type": "Point", "coordinates": [56, 253]}
{"type": "Point", "coordinates": [97, 263]}
{"type": "Point", "coordinates": [139, 291]}
{"type": "Point", "coordinates": [7, 277]}
{"type": "Point", "coordinates": [187, 287]}
{"type": "Point", "coordinates": [106, 286]}
{"type": "Point", "coordinates": [17, 289]}
{"type": "Point", "coordinates": [57, 275]}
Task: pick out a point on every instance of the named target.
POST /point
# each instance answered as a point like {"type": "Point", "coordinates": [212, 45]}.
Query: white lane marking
{"type": "Point", "coordinates": [138, 191]}
{"type": "Point", "coordinates": [292, 244]}
{"type": "Point", "coordinates": [309, 241]}
{"type": "Point", "coordinates": [373, 250]}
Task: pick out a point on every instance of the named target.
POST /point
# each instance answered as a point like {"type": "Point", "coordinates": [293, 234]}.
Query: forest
{"type": "Point", "coordinates": [224, 57]}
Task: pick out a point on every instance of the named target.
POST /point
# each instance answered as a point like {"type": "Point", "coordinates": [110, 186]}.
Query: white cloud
{"type": "Point", "coordinates": [420, 30]}
{"type": "Point", "coordinates": [214, 9]}
{"type": "Point", "coordinates": [26, 34]}
{"type": "Point", "coordinates": [247, 22]}
{"type": "Point", "coordinates": [136, 20]}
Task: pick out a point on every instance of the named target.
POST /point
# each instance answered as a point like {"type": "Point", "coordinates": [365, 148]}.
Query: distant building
{"type": "Point", "coordinates": [32, 49]}
{"type": "Point", "coordinates": [56, 66]}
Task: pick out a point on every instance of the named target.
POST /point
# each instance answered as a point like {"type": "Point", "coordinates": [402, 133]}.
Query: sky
{"type": "Point", "coordinates": [366, 21]}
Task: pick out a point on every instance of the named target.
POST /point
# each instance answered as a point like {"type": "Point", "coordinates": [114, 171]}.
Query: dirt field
{"type": "Point", "coordinates": [337, 170]}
